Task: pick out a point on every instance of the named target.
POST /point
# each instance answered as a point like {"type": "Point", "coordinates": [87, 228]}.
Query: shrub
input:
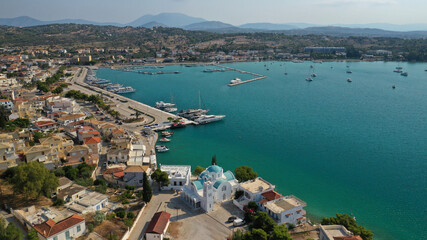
{"type": "Point", "coordinates": [99, 182]}
{"type": "Point", "coordinates": [111, 216]}
{"type": "Point", "coordinates": [90, 227]}
{"type": "Point", "coordinates": [128, 222]}
{"type": "Point", "coordinates": [121, 213]}
{"type": "Point", "coordinates": [98, 218]}
{"type": "Point", "coordinates": [58, 202]}
{"type": "Point", "coordinates": [130, 215]}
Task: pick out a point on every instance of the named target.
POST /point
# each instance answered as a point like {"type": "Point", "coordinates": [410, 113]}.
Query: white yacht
{"type": "Point", "coordinates": [349, 80]}
{"type": "Point", "coordinates": [235, 81]}
{"type": "Point", "coordinates": [349, 71]}
{"type": "Point", "coordinates": [163, 105]}
{"type": "Point", "coordinates": [125, 90]}
{"type": "Point", "coordinates": [208, 118]}
{"type": "Point", "coordinates": [309, 79]}
{"type": "Point", "coordinates": [404, 74]}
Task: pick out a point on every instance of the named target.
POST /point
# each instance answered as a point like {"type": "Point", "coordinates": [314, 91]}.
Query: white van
{"type": "Point", "coordinates": [238, 222]}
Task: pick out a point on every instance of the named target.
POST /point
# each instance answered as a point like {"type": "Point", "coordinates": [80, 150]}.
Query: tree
{"type": "Point", "coordinates": [58, 90]}
{"type": "Point", "coordinates": [214, 160]}
{"type": "Point", "coordinates": [237, 235]}
{"type": "Point", "coordinates": [244, 173]}
{"type": "Point", "coordinates": [33, 179]}
{"type": "Point", "coordinates": [11, 232]}
{"type": "Point", "coordinates": [162, 178]}
{"type": "Point", "coordinates": [280, 232]}
{"type": "Point", "coordinates": [348, 222]}
{"type": "Point", "coordinates": [147, 192]}
{"type": "Point", "coordinates": [253, 206]}
{"type": "Point", "coordinates": [198, 170]}
{"type": "Point", "coordinates": [130, 215]}
{"type": "Point", "coordinates": [98, 218]}
{"type": "Point", "coordinates": [90, 227]}
{"type": "Point", "coordinates": [264, 222]}
{"type": "Point", "coordinates": [37, 136]}
{"type": "Point", "coordinates": [4, 117]}
{"type": "Point", "coordinates": [258, 234]}
{"type": "Point", "coordinates": [32, 235]}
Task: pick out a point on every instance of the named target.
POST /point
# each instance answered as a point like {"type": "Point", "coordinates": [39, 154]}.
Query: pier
{"type": "Point", "coordinates": [258, 76]}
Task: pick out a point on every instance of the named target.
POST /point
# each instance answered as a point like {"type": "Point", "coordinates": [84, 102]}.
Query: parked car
{"type": "Point", "coordinates": [231, 219]}
{"type": "Point", "coordinates": [238, 222]}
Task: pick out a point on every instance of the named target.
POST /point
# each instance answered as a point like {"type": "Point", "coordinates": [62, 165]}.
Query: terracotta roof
{"type": "Point", "coordinates": [119, 174]}
{"type": "Point", "coordinates": [118, 131]}
{"type": "Point", "coordinates": [94, 132]}
{"type": "Point", "coordinates": [71, 116]}
{"type": "Point", "coordinates": [92, 140]}
{"type": "Point", "coordinates": [133, 169]}
{"type": "Point", "coordinates": [348, 238]}
{"type": "Point", "coordinates": [51, 228]}
{"type": "Point", "coordinates": [158, 223]}
{"type": "Point", "coordinates": [4, 100]}
{"type": "Point", "coordinates": [269, 196]}
{"type": "Point", "coordinates": [113, 170]}
{"type": "Point", "coordinates": [45, 123]}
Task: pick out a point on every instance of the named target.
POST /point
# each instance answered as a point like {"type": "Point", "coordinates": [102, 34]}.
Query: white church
{"type": "Point", "coordinates": [212, 186]}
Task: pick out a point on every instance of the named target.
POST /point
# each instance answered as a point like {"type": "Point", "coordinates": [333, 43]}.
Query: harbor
{"type": "Point", "coordinates": [144, 72]}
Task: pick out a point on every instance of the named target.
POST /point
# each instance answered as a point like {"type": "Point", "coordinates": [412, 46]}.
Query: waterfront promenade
{"type": "Point", "coordinates": [125, 106]}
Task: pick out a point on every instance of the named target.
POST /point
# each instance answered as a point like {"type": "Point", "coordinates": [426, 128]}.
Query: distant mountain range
{"type": "Point", "coordinates": [178, 20]}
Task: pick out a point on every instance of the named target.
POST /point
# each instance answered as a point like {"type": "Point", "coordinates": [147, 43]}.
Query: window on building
{"type": "Point", "coordinates": [79, 228]}
{"type": "Point", "coordinates": [224, 188]}
{"type": "Point", "coordinates": [180, 183]}
{"type": "Point", "coordinates": [55, 238]}
{"type": "Point", "coordinates": [174, 183]}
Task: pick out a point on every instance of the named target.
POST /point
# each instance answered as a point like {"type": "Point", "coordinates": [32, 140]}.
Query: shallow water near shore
{"type": "Point", "coordinates": [358, 148]}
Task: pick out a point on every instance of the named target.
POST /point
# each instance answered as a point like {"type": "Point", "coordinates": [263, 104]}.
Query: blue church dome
{"type": "Point", "coordinates": [214, 168]}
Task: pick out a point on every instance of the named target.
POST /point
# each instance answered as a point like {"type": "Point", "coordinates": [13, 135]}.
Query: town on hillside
{"type": "Point", "coordinates": [80, 162]}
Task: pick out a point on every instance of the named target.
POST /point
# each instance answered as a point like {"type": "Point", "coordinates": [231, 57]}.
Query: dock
{"type": "Point", "coordinates": [257, 76]}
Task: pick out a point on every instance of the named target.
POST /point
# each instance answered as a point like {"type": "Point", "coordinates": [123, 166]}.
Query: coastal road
{"type": "Point", "coordinates": [122, 103]}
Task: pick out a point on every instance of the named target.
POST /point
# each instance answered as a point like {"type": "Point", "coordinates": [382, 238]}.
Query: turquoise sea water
{"type": "Point", "coordinates": [358, 148]}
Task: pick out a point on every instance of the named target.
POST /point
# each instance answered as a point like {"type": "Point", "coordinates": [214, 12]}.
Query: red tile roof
{"type": "Point", "coordinates": [119, 174]}
{"type": "Point", "coordinates": [51, 228]}
{"type": "Point", "coordinates": [45, 123]}
{"type": "Point", "coordinates": [269, 196]}
{"type": "Point", "coordinates": [92, 140]}
{"type": "Point", "coordinates": [158, 223]}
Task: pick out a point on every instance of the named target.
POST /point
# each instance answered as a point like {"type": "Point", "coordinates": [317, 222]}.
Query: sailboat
{"type": "Point", "coordinates": [193, 113]}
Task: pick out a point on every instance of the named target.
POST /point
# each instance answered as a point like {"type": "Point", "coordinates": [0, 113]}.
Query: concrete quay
{"type": "Point", "coordinates": [125, 106]}
{"type": "Point", "coordinates": [258, 76]}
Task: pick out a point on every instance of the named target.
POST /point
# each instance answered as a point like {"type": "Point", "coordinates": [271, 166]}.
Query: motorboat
{"type": "Point", "coordinates": [349, 71]}
{"type": "Point", "coordinates": [236, 81]}
{"type": "Point", "coordinates": [404, 74]}
{"type": "Point", "coordinates": [125, 90]}
{"type": "Point", "coordinates": [162, 105]}
{"type": "Point", "coordinates": [349, 80]}
{"type": "Point", "coordinates": [164, 140]}
{"type": "Point", "coordinates": [161, 148]}
{"type": "Point", "coordinates": [208, 118]}
{"type": "Point", "coordinates": [309, 79]}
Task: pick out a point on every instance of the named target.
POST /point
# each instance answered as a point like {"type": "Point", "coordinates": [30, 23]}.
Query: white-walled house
{"type": "Point", "coordinates": [252, 191]}
{"type": "Point", "coordinates": [179, 176]}
{"type": "Point", "coordinates": [212, 186]}
{"type": "Point", "coordinates": [69, 228]}
{"type": "Point", "coordinates": [158, 225]}
{"type": "Point", "coordinates": [286, 210]}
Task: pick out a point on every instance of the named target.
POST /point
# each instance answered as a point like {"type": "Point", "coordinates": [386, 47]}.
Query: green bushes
{"type": "Point", "coordinates": [348, 222]}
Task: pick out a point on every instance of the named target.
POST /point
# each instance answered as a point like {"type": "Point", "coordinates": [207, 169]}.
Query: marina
{"type": "Point", "coordinates": [308, 150]}
{"type": "Point", "coordinates": [232, 84]}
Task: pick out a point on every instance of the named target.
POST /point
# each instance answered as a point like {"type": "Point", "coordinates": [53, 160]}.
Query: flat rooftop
{"type": "Point", "coordinates": [176, 171]}
{"type": "Point", "coordinates": [257, 185]}
{"type": "Point", "coordinates": [335, 231]}
{"type": "Point", "coordinates": [92, 198]}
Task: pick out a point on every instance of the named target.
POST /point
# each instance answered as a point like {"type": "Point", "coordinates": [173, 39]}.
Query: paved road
{"type": "Point", "coordinates": [150, 209]}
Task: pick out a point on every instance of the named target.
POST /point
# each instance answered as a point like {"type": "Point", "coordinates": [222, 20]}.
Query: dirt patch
{"type": "Point", "coordinates": [17, 201]}
{"type": "Point", "coordinates": [108, 227]}
{"type": "Point", "coordinates": [173, 229]}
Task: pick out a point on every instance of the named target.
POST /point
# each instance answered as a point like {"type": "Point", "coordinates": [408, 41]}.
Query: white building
{"type": "Point", "coordinates": [286, 210]}
{"type": "Point", "coordinates": [212, 186]}
{"type": "Point", "coordinates": [89, 202]}
{"type": "Point", "coordinates": [252, 191]}
{"type": "Point", "coordinates": [157, 227]}
{"type": "Point", "coordinates": [333, 232]}
{"type": "Point", "coordinates": [60, 104]}
{"type": "Point", "coordinates": [71, 118]}
{"type": "Point", "coordinates": [69, 228]}
{"type": "Point", "coordinates": [179, 176]}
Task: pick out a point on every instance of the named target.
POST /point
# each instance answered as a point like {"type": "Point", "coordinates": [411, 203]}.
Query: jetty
{"type": "Point", "coordinates": [257, 76]}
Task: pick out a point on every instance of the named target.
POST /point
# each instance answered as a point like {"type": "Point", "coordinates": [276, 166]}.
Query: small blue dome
{"type": "Point", "coordinates": [214, 168]}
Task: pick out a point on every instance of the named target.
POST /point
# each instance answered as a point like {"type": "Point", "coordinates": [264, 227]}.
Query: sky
{"type": "Point", "coordinates": [230, 11]}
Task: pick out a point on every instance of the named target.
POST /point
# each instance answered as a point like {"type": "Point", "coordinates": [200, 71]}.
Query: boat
{"type": "Point", "coordinates": [164, 140]}
{"type": "Point", "coordinates": [162, 105]}
{"type": "Point", "coordinates": [235, 81]}
{"type": "Point", "coordinates": [161, 148]}
{"type": "Point", "coordinates": [349, 80]}
{"type": "Point", "coordinates": [208, 118]}
{"type": "Point", "coordinates": [314, 75]}
{"type": "Point", "coordinates": [311, 66]}
{"type": "Point", "coordinates": [125, 90]}
{"type": "Point", "coordinates": [193, 113]}
{"type": "Point", "coordinates": [167, 133]}
{"type": "Point", "coordinates": [172, 109]}
{"type": "Point", "coordinates": [178, 125]}
{"type": "Point", "coordinates": [349, 71]}
{"type": "Point", "coordinates": [404, 74]}
{"type": "Point", "coordinates": [399, 67]}
{"type": "Point", "coordinates": [309, 79]}
{"type": "Point", "coordinates": [397, 71]}
{"type": "Point", "coordinates": [394, 86]}
{"type": "Point", "coordinates": [286, 73]}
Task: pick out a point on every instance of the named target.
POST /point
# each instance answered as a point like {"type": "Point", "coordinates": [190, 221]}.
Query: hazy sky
{"type": "Point", "coordinates": [229, 11]}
